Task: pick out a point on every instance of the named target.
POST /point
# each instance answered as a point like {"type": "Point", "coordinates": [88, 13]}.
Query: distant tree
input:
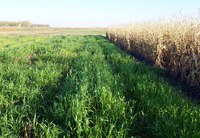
{"type": "Point", "coordinates": [26, 24]}
{"type": "Point", "coordinates": [21, 24]}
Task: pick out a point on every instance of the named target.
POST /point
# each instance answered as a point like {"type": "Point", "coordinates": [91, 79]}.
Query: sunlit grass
{"type": "Point", "coordinates": [84, 86]}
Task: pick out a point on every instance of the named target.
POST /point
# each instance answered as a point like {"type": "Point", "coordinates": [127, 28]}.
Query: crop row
{"type": "Point", "coordinates": [172, 45]}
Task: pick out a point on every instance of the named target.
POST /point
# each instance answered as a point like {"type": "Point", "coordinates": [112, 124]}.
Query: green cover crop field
{"type": "Point", "coordinates": [85, 86]}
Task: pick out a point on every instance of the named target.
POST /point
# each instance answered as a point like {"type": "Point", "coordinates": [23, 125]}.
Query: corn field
{"type": "Point", "coordinates": [172, 45]}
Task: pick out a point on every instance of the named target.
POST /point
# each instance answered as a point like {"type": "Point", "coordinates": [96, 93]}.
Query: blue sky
{"type": "Point", "coordinates": [93, 13]}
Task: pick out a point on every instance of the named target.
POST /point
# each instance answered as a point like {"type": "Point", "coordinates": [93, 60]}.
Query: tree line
{"type": "Point", "coordinates": [20, 24]}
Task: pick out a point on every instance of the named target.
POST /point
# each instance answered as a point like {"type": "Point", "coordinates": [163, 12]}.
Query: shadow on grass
{"type": "Point", "coordinates": [151, 88]}
{"type": "Point", "coordinates": [191, 92]}
{"type": "Point", "coordinates": [42, 104]}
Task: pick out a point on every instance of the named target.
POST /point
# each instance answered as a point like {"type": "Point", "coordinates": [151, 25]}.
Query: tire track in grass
{"type": "Point", "coordinates": [44, 122]}
{"type": "Point", "coordinates": [161, 110]}
{"type": "Point", "coordinates": [41, 83]}
{"type": "Point", "coordinates": [93, 105]}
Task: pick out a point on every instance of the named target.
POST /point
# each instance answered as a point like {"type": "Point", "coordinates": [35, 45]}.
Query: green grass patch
{"type": "Point", "coordinates": [84, 86]}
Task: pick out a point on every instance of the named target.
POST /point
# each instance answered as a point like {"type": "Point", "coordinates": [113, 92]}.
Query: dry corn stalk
{"type": "Point", "coordinates": [174, 46]}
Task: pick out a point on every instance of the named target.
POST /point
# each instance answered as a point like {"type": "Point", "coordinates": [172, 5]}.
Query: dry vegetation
{"type": "Point", "coordinates": [173, 45]}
